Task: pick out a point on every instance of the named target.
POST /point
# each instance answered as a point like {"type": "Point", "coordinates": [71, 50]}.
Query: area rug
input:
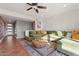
{"type": "Point", "coordinates": [45, 51]}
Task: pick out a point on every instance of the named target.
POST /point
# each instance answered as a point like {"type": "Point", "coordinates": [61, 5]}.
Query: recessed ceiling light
{"type": "Point", "coordinates": [65, 5]}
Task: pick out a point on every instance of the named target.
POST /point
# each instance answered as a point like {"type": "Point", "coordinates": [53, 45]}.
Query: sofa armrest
{"type": "Point", "coordinates": [68, 47]}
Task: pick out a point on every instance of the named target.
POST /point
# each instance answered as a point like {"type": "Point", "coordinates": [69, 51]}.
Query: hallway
{"type": "Point", "coordinates": [12, 47]}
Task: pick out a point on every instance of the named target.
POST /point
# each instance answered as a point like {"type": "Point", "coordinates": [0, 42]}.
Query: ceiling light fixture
{"type": "Point", "coordinates": [65, 5]}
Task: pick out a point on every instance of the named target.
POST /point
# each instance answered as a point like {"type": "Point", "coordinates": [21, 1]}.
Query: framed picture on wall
{"type": "Point", "coordinates": [37, 25]}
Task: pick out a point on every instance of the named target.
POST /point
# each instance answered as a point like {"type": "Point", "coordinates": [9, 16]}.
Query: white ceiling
{"type": "Point", "coordinates": [52, 9]}
{"type": "Point", "coordinates": [12, 19]}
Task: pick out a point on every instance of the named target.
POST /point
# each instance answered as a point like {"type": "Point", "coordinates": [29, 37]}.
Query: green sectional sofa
{"type": "Point", "coordinates": [34, 35]}
{"type": "Point", "coordinates": [65, 45]}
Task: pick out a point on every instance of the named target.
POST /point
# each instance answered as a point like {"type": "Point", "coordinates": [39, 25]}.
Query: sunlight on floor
{"type": "Point", "coordinates": [9, 41]}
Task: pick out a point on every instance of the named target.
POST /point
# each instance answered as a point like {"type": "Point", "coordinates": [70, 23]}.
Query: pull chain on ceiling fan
{"type": "Point", "coordinates": [35, 6]}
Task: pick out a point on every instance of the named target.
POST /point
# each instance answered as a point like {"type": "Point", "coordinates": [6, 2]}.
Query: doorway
{"type": "Point", "coordinates": [10, 29]}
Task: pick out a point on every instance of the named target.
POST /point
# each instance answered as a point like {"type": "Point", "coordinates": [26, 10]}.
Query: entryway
{"type": "Point", "coordinates": [10, 29]}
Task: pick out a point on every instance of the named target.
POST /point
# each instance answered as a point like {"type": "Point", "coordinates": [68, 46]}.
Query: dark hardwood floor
{"type": "Point", "coordinates": [10, 46]}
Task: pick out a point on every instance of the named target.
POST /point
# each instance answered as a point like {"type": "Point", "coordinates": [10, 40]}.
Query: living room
{"type": "Point", "coordinates": [56, 23]}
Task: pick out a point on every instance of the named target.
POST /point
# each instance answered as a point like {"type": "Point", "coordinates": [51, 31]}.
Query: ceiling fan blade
{"type": "Point", "coordinates": [42, 7]}
{"type": "Point", "coordinates": [29, 8]}
{"type": "Point", "coordinates": [29, 4]}
{"type": "Point", "coordinates": [36, 10]}
{"type": "Point", "coordinates": [34, 4]}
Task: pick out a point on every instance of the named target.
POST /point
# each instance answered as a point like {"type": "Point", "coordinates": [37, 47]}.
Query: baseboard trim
{"type": "Point", "coordinates": [19, 37]}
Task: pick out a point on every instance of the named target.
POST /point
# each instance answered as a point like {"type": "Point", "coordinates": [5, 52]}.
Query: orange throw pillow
{"type": "Point", "coordinates": [75, 36]}
{"type": "Point", "coordinates": [40, 32]}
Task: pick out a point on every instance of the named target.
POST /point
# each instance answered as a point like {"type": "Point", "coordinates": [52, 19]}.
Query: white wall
{"type": "Point", "coordinates": [66, 21]}
{"type": "Point", "coordinates": [21, 26]}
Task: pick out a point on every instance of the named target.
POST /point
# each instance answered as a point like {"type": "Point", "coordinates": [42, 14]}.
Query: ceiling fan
{"type": "Point", "coordinates": [35, 6]}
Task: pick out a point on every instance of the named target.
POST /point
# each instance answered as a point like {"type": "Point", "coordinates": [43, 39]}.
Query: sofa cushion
{"type": "Point", "coordinates": [71, 46]}
{"type": "Point", "coordinates": [64, 33]}
{"type": "Point", "coordinates": [31, 33]}
{"type": "Point", "coordinates": [68, 35]}
{"type": "Point", "coordinates": [52, 32]}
